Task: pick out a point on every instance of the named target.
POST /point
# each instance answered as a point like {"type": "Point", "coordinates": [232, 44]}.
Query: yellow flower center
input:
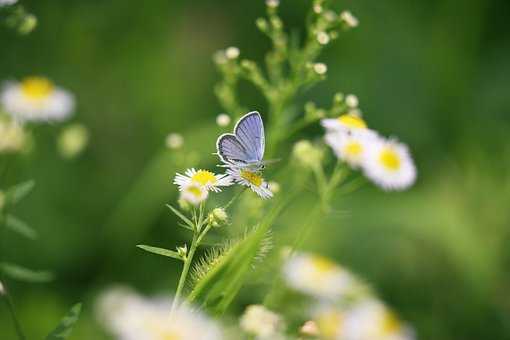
{"type": "Point", "coordinates": [195, 191]}
{"type": "Point", "coordinates": [390, 324]}
{"type": "Point", "coordinates": [37, 88]}
{"type": "Point", "coordinates": [323, 265]}
{"type": "Point", "coordinates": [352, 121]}
{"type": "Point", "coordinates": [204, 177]}
{"type": "Point", "coordinates": [330, 324]}
{"type": "Point", "coordinates": [390, 159]}
{"type": "Point", "coordinates": [252, 177]}
{"type": "Point", "coordinates": [353, 149]}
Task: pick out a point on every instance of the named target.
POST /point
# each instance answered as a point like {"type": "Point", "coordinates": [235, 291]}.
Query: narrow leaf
{"type": "Point", "coordinates": [181, 216]}
{"type": "Point", "coordinates": [24, 274]}
{"type": "Point", "coordinates": [19, 191]}
{"type": "Point", "coordinates": [160, 251]}
{"type": "Point", "coordinates": [65, 327]}
{"type": "Point", "coordinates": [20, 227]}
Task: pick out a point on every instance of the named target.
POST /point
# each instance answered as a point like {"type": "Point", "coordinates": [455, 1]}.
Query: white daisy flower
{"type": "Point", "coordinates": [389, 164]}
{"type": "Point", "coordinates": [129, 316]}
{"type": "Point", "coordinates": [193, 193]}
{"type": "Point", "coordinates": [12, 137]}
{"type": "Point", "coordinates": [36, 99]}
{"type": "Point", "coordinates": [317, 276]}
{"type": "Point", "coordinates": [251, 179]}
{"type": "Point", "coordinates": [7, 2]}
{"type": "Point", "coordinates": [205, 178]}
{"type": "Point", "coordinates": [345, 123]}
{"type": "Point", "coordinates": [261, 322]}
{"type": "Point", "coordinates": [353, 147]}
{"type": "Point", "coordinates": [368, 319]}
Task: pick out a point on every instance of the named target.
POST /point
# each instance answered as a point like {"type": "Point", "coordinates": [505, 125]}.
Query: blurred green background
{"type": "Point", "coordinates": [434, 73]}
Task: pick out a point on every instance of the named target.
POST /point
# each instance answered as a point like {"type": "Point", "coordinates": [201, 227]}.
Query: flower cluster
{"type": "Point", "coordinates": [386, 162]}
{"type": "Point", "coordinates": [345, 309]}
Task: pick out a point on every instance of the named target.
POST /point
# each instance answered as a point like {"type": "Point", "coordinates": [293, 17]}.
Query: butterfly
{"type": "Point", "coordinates": [245, 147]}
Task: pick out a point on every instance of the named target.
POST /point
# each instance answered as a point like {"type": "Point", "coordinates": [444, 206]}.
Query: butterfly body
{"type": "Point", "coordinates": [244, 148]}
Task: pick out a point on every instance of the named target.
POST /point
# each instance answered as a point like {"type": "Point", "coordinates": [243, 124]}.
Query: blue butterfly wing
{"type": "Point", "coordinates": [250, 134]}
{"type": "Point", "coordinates": [231, 150]}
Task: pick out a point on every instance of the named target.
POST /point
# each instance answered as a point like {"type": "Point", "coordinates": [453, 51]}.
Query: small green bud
{"type": "Point", "coordinates": [182, 251]}
{"type": "Point", "coordinates": [218, 217]}
{"type": "Point", "coordinates": [262, 24]}
{"type": "Point", "coordinates": [184, 205]}
{"type": "Point", "coordinates": [307, 154]}
{"type": "Point", "coordinates": [28, 24]}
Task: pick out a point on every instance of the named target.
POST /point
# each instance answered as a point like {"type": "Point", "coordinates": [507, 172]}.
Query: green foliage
{"type": "Point", "coordinates": [216, 288]}
{"type": "Point", "coordinates": [160, 251]}
{"type": "Point", "coordinates": [66, 325]}
{"type": "Point", "coordinates": [19, 273]}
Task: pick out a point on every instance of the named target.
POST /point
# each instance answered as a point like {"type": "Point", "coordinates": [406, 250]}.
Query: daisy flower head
{"type": "Point", "coordinates": [129, 316]}
{"type": "Point", "coordinates": [351, 148]}
{"type": "Point", "coordinates": [261, 322]}
{"type": "Point", "coordinates": [368, 319]}
{"type": "Point", "coordinates": [348, 122]}
{"type": "Point", "coordinates": [251, 179]}
{"type": "Point", "coordinates": [317, 276]}
{"type": "Point", "coordinates": [204, 178]}
{"type": "Point", "coordinates": [389, 165]}
{"type": "Point", "coordinates": [36, 99]}
{"type": "Point", "coordinates": [193, 193]}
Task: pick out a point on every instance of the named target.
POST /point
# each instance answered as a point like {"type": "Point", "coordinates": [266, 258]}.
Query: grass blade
{"type": "Point", "coordinates": [19, 191]}
{"type": "Point", "coordinates": [24, 274]}
{"type": "Point", "coordinates": [20, 227]}
{"type": "Point", "coordinates": [160, 251]}
{"type": "Point", "coordinates": [66, 325]}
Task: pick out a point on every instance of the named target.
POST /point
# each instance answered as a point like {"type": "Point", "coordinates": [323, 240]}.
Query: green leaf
{"type": "Point", "coordinates": [20, 227]}
{"type": "Point", "coordinates": [65, 327]}
{"type": "Point", "coordinates": [24, 274]}
{"type": "Point", "coordinates": [19, 191]}
{"type": "Point", "coordinates": [160, 251]}
{"type": "Point", "coordinates": [217, 288]}
{"type": "Point", "coordinates": [181, 216]}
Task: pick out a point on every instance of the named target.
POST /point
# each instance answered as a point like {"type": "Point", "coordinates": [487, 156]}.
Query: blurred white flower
{"type": "Point", "coordinates": [251, 179]}
{"type": "Point", "coordinates": [223, 120]}
{"type": "Point", "coordinates": [317, 8]}
{"type": "Point", "coordinates": [348, 19]}
{"type": "Point", "coordinates": [320, 68]}
{"type": "Point", "coordinates": [73, 140]}
{"type": "Point", "coordinates": [368, 319]}
{"type": "Point", "coordinates": [2, 289]}
{"type": "Point", "coordinates": [174, 141]}
{"type": "Point", "coordinates": [36, 99]}
{"type": "Point", "coordinates": [317, 276]}
{"type": "Point", "coordinates": [389, 165]}
{"type": "Point", "coordinates": [204, 178]}
{"type": "Point", "coordinates": [193, 193]}
{"type": "Point", "coordinates": [7, 2]}
{"type": "Point", "coordinates": [353, 147]}
{"type": "Point", "coordinates": [272, 3]}
{"type": "Point", "coordinates": [323, 38]}
{"type": "Point", "coordinates": [129, 316]}
{"type": "Point", "coordinates": [352, 101]}
{"type": "Point", "coordinates": [261, 322]}
{"type": "Point", "coordinates": [345, 123]}
{"type": "Point", "coordinates": [232, 53]}
{"type": "Point", "coordinates": [309, 328]}
{"type": "Point", "coordinates": [12, 137]}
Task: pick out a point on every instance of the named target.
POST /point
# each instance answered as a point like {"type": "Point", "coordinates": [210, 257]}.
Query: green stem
{"type": "Point", "coordinates": [185, 270]}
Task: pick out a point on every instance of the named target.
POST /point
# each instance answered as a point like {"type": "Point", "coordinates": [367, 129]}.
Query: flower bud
{"type": "Point", "coordinates": [182, 251]}
{"type": "Point", "coordinates": [307, 154]}
{"type": "Point", "coordinates": [218, 217]}
{"type": "Point", "coordinates": [174, 141]}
